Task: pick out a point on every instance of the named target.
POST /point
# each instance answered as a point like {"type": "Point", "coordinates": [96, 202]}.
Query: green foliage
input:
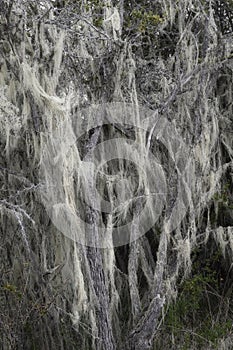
{"type": "Point", "coordinates": [194, 317]}
{"type": "Point", "coordinates": [214, 332]}
{"type": "Point", "coordinates": [98, 22]}
{"type": "Point", "coordinates": [94, 5]}
{"type": "Point", "coordinates": [223, 197]}
{"type": "Point", "coordinates": [145, 20]}
{"type": "Point", "coordinates": [96, 8]}
{"type": "Point", "coordinates": [142, 17]}
{"type": "Point", "coordinates": [12, 289]}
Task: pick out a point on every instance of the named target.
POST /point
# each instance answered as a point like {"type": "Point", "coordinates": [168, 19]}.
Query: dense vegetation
{"type": "Point", "coordinates": [156, 77]}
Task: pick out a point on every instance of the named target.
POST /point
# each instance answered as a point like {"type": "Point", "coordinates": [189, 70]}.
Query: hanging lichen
{"type": "Point", "coordinates": [112, 115]}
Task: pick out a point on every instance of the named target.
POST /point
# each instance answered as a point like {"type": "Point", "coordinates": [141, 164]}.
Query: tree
{"type": "Point", "coordinates": [116, 173]}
